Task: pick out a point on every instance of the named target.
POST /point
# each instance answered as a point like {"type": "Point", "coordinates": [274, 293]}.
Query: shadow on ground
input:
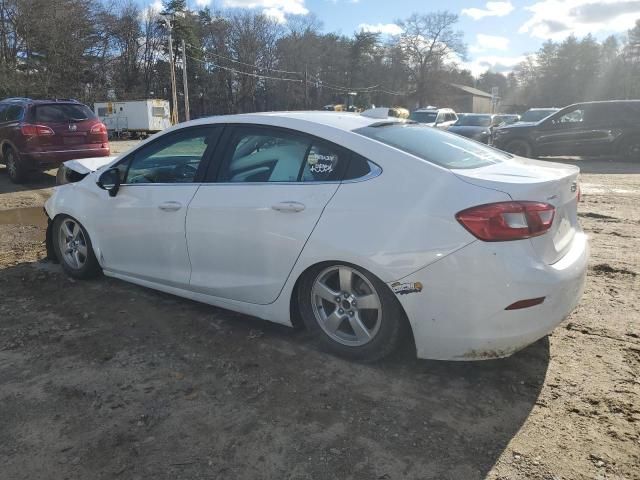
{"type": "Point", "coordinates": [105, 379]}
{"type": "Point", "coordinates": [36, 181]}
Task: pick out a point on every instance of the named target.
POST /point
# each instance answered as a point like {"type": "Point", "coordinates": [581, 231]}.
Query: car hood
{"type": "Point", "coordinates": [468, 130]}
{"type": "Point", "coordinates": [88, 165]}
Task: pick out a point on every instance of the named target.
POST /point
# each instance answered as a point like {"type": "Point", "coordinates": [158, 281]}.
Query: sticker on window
{"type": "Point", "coordinates": [319, 163]}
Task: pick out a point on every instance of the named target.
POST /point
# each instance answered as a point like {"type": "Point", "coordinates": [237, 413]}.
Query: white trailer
{"type": "Point", "coordinates": [136, 117]}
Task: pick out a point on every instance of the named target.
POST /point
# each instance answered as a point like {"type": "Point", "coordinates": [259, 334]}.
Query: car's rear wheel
{"type": "Point", "coordinates": [73, 248]}
{"type": "Point", "coordinates": [351, 312]}
{"type": "Point", "coordinates": [630, 149]}
{"type": "Point", "coordinates": [522, 148]}
{"type": "Point", "coordinates": [16, 169]}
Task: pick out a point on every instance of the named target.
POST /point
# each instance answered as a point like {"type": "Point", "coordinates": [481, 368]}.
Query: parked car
{"type": "Point", "coordinates": [592, 128]}
{"type": "Point", "coordinates": [300, 215]}
{"type": "Point", "coordinates": [534, 115]}
{"type": "Point", "coordinates": [476, 126]}
{"type": "Point", "coordinates": [41, 134]}
{"type": "Point", "coordinates": [435, 117]}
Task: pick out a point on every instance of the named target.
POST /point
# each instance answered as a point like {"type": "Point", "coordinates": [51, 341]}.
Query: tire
{"type": "Point", "coordinates": [18, 172]}
{"type": "Point", "coordinates": [630, 149]}
{"type": "Point", "coordinates": [521, 148]}
{"type": "Point", "coordinates": [379, 330]}
{"type": "Point", "coordinates": [72, 246]}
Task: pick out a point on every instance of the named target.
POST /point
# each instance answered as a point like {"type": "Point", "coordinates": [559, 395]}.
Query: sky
{"type": "Point", "coordinates": [498, 33]}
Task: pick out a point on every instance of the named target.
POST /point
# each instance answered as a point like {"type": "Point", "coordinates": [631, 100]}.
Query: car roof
{"type": "Point", "coordinates": [434, 110]}
{"type": "Point", "coordinates": [31, 101]}
{"type": "Point", "coordinates": [346, 121]}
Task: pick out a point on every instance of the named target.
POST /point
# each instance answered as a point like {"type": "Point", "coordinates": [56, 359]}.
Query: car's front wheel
{"type": "Point", "coordinates": [522, 148]}
{"type": "Point", "coordinates": [351, 312]}
{"type": "Point", "coordinates": [73, 248]}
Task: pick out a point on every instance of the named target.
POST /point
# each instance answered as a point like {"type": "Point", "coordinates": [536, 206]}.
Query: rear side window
{"type": "Point", "coordinates": [615, 113]}
{"type": "Point", "coordinates": [435, 146]}
{"type": "Point", "coordinates": [62, 113]}
{"type": "Point", "coordinates": [13, 112]}
{"type": "Point", "coordinates": [257, 154]}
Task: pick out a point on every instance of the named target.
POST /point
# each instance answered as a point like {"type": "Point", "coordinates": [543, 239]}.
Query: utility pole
{"type": "Point", "coordinates": [174, 94]}
{"type": "Point", "coordinates": [185, 87]}
{"type": "Point", "coordinates": [306, 88]}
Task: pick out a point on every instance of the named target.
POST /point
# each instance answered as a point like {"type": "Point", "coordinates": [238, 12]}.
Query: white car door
{"type": "Point", "coordinates": [247, 227]}
{"type": "Point", "coordinates": [141, 231]}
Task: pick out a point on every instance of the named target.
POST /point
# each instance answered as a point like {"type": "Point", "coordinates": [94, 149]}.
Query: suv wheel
{"type": "Point", "coordinates": [351, 312]}
{"type": "Point", "coordinates": [72, 246]}
{"type": "Point", "coordinates": [522, 148]}
{"type": "Point", "coordinates": [631, 149]}
{"type": "Point", "coordinates": [15, 168]}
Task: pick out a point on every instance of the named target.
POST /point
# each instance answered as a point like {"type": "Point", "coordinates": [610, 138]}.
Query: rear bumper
{"type": "Point", "coordinates": [53, 158]}
{"type": "Point", "coordinates": [459, 313]}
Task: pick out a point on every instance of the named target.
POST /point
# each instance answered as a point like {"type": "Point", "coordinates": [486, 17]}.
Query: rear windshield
{"type": "Point", "coordinates": [434, 145]}
{"type": "Point", "coordinates": [62, 112]}
{"type": "Point", "coordinates": [424, 117]}
{"type": "Point", "coordinates": [474, 121]}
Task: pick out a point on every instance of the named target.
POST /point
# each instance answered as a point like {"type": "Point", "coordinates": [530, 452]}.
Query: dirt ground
{"type": "Point", "coordinates": [104, 379]}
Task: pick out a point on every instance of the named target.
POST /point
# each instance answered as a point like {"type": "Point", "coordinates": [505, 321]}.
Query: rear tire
{"type": "Point", "coordinates": [350, 312]}
{"type": "Point", "coordinates": [18, 172]}
{"type": "Point", "coordinates": [521, 148]}
{"type": "Point", "coordinates": [73, 249]}
{"type": "Point", "coordinates": [630, 149]}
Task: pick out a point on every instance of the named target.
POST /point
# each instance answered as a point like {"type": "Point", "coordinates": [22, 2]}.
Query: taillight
{"type": "Point", "coordinates": [99, 128]}
{"type": "Point", "coordinates": [498, 222]}
{"type": "Point", "coordinates": [29, 130]}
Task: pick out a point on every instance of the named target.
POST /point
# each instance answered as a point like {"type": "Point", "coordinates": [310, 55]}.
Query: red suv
{"type": "Point", "coordinates": [41, 134]}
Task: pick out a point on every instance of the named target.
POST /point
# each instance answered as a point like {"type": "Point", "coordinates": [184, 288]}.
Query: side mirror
{"type": "Point", "coordinates": [109, 180]}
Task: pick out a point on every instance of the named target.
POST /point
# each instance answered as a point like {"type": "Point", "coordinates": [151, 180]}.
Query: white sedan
{"type": "Point", "coordinates": [365, 228]}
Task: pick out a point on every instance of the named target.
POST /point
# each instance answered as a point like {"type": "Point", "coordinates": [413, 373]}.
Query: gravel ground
{"type": "Point", "coordinates": [104, 379]}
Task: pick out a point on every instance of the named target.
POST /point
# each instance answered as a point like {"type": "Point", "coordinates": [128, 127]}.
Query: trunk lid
{"type": "Point", "coordinates": [534, 180]}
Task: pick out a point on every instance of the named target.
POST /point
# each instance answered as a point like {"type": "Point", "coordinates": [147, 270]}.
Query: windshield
{"type": "Point", "coordinates": [424, 117]}
{"type": "Point", "coordinates": [536, 115]}
{"type": "Point", "coordinates": [63, 112]}
{"type": "Point", "coordinates": [434, 145]}
{"type": "Point", "coordinates": [474, 121]}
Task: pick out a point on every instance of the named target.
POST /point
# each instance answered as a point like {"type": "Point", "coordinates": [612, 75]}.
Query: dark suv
{"type": "Point", "coordinates": [592, 128]}
{"type": "Point", "coordinates": [41, 134]}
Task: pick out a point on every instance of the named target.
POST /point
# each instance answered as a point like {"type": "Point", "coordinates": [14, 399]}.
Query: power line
{"type": "Point", "coordinates": [317, 84]}
{"type": "Point", "coordinates": [255, 66]}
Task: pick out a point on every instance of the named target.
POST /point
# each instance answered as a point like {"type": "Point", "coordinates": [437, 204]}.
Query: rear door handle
{"type": "Point", "coordinates": [170, 206]}
{"type": "Point", "coordinates": [288, 207]}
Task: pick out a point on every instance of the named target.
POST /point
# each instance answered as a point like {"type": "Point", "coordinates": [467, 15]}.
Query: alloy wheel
{"type": "Point", "coordinates": [346, 305]}
{"type": "Point", "coordinates": [73, 244]}
{"type": "Point", "coordinates": [12, 168]}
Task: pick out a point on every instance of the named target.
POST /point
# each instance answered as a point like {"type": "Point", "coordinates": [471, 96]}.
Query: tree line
{"type": "Point", "coordinates": [243, 60]}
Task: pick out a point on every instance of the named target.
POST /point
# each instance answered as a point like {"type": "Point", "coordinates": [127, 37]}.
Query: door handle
{"type": "Point", "coordinates": [170, 206]}
{"type": "Point", "coordinates": [288, 207]}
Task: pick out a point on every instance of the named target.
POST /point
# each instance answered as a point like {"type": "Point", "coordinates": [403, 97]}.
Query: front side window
{"type": "Point", "coordinates": [273, 155]}
{"type": "Point", "coordinates": [14, 112]}
{"type": "Point", "coordinates": [573, 116]}
{"type": "Point", "coordinates": [434, 145]}
{"type": "Point", "coordinates": [174, 158]}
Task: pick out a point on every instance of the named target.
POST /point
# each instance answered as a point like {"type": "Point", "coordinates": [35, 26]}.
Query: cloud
{"type": "Point", "coordinates": [384, 28]}
{"type": "Point", "coordinates": [203, 3]}
{"type": "Point", "coordinates": [493, 9]}
{"type": "Point", "coordinates": [273, 8]}
{"type": "Point", "coordinates": [494, 63]}
{"type": "Point", "coordinates": [274, 14]}
{"type": "Point", "coordinates": [557, 19]}
{"type": "Point", "coordinates": [489, 42]}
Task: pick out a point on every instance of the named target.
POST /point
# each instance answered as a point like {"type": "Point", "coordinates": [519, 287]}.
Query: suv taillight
{"type": "Point", "coordinates": [503, 221]}
{"type": "Point", "coordinates": [99, 128]}
{"type": "Point", "coordinates": [30, 130]}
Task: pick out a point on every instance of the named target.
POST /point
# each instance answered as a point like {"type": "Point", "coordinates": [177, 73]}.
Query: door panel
{"type": "Point", "coordinates": [244, 239]}
{"type": "Point", "coordinates": [141, 232]}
